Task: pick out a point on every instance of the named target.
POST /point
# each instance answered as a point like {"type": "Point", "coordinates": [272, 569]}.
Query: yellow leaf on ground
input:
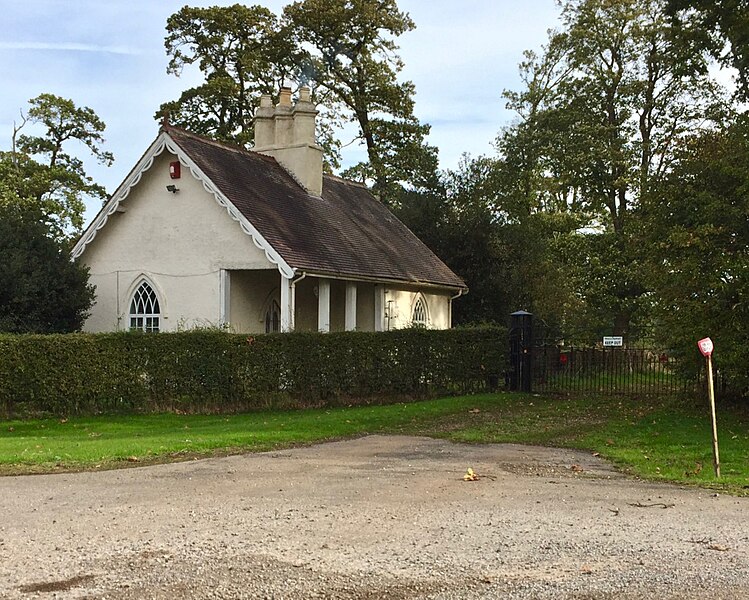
{"type": "Point", "coordinates": [470, 475]}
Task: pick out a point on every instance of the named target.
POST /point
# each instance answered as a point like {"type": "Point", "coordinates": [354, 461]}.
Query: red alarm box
{"type": "Point", "coordinates": [174, 170]}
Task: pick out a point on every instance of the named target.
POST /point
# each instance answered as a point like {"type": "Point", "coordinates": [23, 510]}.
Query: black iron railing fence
{"type": "Point", "coordinates": [559, 369]}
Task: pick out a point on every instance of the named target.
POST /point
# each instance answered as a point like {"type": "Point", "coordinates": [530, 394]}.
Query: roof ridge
{"type": "Point", "coordinates": [218, 143]}
{"type": "Point", "coordinates": [344, 180]}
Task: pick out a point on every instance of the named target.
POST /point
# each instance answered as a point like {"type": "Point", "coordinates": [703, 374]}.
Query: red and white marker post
{"type": "Point", "coordinates": [706, 348]}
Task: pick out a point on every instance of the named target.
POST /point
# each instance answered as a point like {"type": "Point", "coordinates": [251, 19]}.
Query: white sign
{"type": "Point", "coordinates": [706, 346]}
{"type": "Point", "coordinates": [613, 340]}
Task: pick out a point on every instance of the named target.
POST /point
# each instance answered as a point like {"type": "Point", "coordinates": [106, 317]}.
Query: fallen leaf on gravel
{"type": "Point", "coordinates": [596, 454]}
{"type": "Point", "coordinates": [133, 459]}
{"type": "Point", "coordinates": [718, 547]}
{"type": "Point", "coordinates": [474, 411]}
{"type": "Point", "coordinates": [470, 475]}
{"type": "Point", "coordinates": [585, 570]}
{"type": "Point", "coordinates": [576, 468]}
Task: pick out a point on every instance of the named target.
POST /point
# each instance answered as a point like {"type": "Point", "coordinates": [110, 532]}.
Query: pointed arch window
{"type": "Point", "coordinates": [419, 314]}
{"type": "Point", "coordinates": [145, 314]}
{"type": "Point", "coordinates": [273, 318]}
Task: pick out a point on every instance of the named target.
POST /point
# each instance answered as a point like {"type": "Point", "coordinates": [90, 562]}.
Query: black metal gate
{"type": "Point", "coordinates": [631, 371]}
{"type": "Point", "coordinates": [540, 364]}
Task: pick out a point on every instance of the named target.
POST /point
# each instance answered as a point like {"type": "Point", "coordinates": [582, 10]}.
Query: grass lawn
{"type": "Point", "coordinates": [665, 440]}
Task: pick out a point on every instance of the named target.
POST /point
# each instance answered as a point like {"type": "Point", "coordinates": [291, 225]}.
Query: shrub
{"type": "Point", "coordinates": [210, 371]}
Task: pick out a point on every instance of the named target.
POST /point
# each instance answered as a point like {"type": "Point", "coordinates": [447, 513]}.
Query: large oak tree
{"type": "Point", "coordinates": [344, 49]}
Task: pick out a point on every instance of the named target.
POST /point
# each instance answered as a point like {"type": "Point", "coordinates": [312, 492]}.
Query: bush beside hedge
{"type": "Point", "coordinates": [212, 371]}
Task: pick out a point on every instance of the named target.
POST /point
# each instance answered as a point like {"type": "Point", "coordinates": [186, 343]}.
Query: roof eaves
{"type": "Point", "coordinates": [375, 279]}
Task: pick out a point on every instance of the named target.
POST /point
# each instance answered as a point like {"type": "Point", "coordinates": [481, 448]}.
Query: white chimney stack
{"type": "Point", "coordinates": [287, 133]}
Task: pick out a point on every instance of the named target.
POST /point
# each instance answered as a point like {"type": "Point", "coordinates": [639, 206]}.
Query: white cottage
{"type": "Point", "coordinates": [203, 233]}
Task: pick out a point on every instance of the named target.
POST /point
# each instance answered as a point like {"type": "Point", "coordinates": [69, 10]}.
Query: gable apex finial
{"type": "Point", "coordinates": [165, 120]}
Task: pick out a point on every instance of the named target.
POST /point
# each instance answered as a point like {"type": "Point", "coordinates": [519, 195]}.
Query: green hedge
{"type": "Point", "coordinates": [214, 371]}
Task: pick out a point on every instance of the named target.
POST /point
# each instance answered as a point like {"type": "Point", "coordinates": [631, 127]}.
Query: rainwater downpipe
{"type": "Point", "coordinates": [450, 305]}
{"type": "Point", "coordinates": [293, 296]}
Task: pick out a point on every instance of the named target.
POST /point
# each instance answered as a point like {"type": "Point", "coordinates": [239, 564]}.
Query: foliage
{"type": "Point", "coordinates": [456, 222]}
{"type": "Point", "coordinates": [242, 51]}
{"type": "Point", "coordinates": [354, 58]}
{"type": "Point", "coordinates": [343, 49]}
{"type": "Point", "coordinates": [40, 170]}
{"type": "Point", "coordinates": [724, 32]}
{"type": "Point", "coordinates": [475, 222]}
{"type": "Point", "coordinates": [602, 110]}
{"type": "Point", "coordinates": [214, 371]}
{"type": "Point", "coordinates": [699, 232]}
{"type": "Point", "coordinates": [553, 223]}
{"type": "Point", "coordinates": [41, 289]}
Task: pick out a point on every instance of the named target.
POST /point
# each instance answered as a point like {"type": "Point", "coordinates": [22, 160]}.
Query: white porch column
{"type": "Point", "coordinates": [379, 307]}
{"type": "Point", "coordinates": [323, 305]}
{"type": "Point", "coordinates": [224, 292]}
{"type": "Point", "coordinates": [350, 305]}
{"type": "Point", "coordinates": [287, 305]}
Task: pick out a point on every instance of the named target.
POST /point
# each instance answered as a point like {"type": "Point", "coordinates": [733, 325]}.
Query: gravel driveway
{"type": "Point", "coordinates": [376, 517]}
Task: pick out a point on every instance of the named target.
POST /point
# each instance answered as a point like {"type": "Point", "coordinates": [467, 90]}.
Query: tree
{"type": "Point", "coordinates": [699, 232]}
{"type": "Point", "coordinates": [603, 109]}
{"type": "Point", "coordinates": [355, 59]}
{"type": "Point", "coordinates": [724, 32]}
{"type": "Point", "coordinates": [455, 221]}
{"type": "Point", "coordinates": [343, 49]}
{"type": "Point", "coordinates": [474, 223]}
{"type": "Point", "coordinates": [243, 52]}
{"type": "Point", "coordinates": [41, 289]}
{"type": "Point", "coordinates": [39, 168]}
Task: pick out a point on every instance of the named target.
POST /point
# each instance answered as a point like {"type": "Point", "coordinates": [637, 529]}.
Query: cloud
{"type": "Point", "coordinates": [69, 46]}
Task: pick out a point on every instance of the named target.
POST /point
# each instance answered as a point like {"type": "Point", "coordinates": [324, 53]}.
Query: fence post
{"type": "Point", "coordinates": [521, 347]}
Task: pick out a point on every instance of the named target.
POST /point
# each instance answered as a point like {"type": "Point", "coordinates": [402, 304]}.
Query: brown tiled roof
{"type": "Point", "coordinates": [346, 232]}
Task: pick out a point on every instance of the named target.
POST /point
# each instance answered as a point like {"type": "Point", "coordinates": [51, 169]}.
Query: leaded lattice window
{"type": "Point", "coordinates": [144, 310]}
{"type": "Point", "coordinates": [419, 316]}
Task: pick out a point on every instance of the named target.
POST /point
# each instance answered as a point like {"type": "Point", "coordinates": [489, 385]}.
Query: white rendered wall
{"type": "Point", "coordinates": [252, 293]}
{"type": "Point", "coordinates": [180, 242]}
{"type": "Point", "coordinates": [365, 306]}
{"type": "Point", "coordinates": [402, 303]}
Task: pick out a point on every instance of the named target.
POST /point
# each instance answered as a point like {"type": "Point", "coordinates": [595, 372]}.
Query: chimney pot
{"type": "Point", "coordinates": [265, 125]}
{"type": "Point", "coordinates": [304, 94]}
{"type": "Point", "coordinates": [284, 98]}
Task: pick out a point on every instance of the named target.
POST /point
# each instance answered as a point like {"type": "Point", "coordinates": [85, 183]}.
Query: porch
{"type": "Point", "coordinates": [263, 301]}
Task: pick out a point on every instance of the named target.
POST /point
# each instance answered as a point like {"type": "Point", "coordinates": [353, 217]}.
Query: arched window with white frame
{"type": "Point", "coordinates": [145, 313]}
{"type": "Point", "coordinates": [419, 316]}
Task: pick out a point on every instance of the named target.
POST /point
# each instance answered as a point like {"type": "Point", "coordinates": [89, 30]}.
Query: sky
{"type": "Point", "coordinates": [109, 55]}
